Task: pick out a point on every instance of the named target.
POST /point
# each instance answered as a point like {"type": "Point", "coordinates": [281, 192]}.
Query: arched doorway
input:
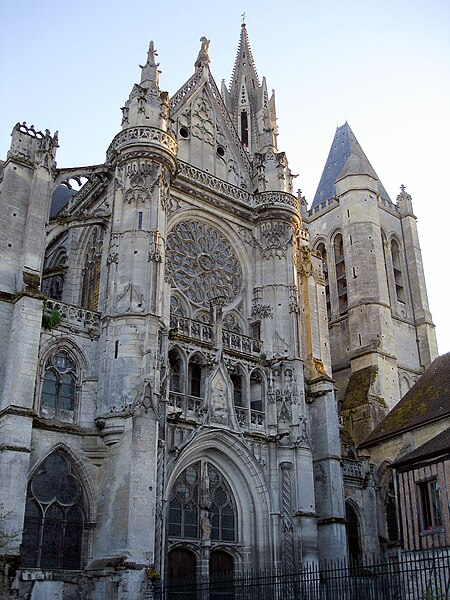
{"type": "Point", "coordinates": [221, 567]}
{"type": "Point", "coordinates": [352, 525]}
{"type": "Point", "coordinates": [181, 574]}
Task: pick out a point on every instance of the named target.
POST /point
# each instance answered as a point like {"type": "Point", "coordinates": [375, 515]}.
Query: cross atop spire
{"type": "Point", "coordinates": [150, 73]}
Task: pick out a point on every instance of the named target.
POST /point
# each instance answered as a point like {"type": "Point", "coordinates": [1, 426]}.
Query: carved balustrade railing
{"type": "Point", "coordinates": [190, 407]}
{"type": "Point", "coordinates": [204, 332]}
{"type": "Point", "coordinates": [76, 317]}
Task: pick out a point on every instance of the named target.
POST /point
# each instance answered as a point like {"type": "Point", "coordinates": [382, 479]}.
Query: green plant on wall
{"type": "Point", "coordinates": [52, 320]}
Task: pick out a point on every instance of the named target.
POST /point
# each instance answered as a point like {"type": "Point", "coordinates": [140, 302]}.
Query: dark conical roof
{"type": "Point", "coordinates": [346, 157]}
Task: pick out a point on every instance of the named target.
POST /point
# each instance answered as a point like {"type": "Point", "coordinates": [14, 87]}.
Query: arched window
{"type": "Point", "coordinates": [54, 517]}
{"type": "Point", "coordinates": [196, 376]}
{"type": "Point", "coordinates": [398, 275]}
{"type": "Point", "coordinates": [58, 393]}
{"type": "Point", "coordinates": [323, 254]}
{"type": "Point", "coordinates": [201, 505]}
{"type": "Point", "coordinates": [91, 271]}
{"type": "Point", "coordinates": [352, 525]}
{"type": "Point", "coordinates": [256, 391]}
{"type": "Point", "coordinates": [176, 375]}
{"type": "Point", "coordinates": [341, 277]}
{"type": "Point", "coordinates": [238, 392]}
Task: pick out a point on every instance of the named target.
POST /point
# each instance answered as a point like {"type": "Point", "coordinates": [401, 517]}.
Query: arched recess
{"type": "Point", "coordinates": [322, 251]}
{"type": "Point", "coordinates": [257, 390]}
{"type": "Point", "coordinates": [388, 508]}
{"type": "Point", "coordinates": [55, 268]}
{"type": "Point", "coordinates": [353, 528]}
{"type": "Point", "coordinates": [58, 514]}
{"type": "Point", "coordinates": [196, 375]}
{"type": "Point", "coordinates": [91, 269]}
{"type": "Point", "coordinates": [248, 487]}
{"type": "Point", "coordinates": [177, 370]}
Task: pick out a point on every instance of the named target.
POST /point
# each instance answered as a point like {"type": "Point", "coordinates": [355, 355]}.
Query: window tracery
{"type": "Point", "coordinates": [58, 392]}
{"type": "Point", "coordinates": [54, 517]}
{"type": "Point", "coordinates": [201, 505]}
{"type": "Point", "coordinates": [202, 263]}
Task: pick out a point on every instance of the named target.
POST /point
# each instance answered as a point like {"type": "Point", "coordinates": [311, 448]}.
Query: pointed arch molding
{"type": "Point", "coordinates": [244, 475]}
{"type": "Point", "coordinates": [81, 472]}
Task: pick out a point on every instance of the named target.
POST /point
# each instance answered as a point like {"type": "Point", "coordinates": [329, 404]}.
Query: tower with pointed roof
{"type": "Point", "coordinates": [381, 333]}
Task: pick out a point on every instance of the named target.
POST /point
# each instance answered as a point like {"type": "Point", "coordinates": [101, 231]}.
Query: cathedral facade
{"type": "Point", "coordinates": [178, 337]}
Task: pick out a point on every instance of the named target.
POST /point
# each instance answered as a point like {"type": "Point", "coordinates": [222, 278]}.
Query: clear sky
{"type": "Point", "coordinates": [383, 66]}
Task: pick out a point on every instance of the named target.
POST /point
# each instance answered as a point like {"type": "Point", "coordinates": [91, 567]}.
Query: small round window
{"type": "Point", "coordinates": [184, 132]}
{"type": "Point", "coordinates": [220, 151]}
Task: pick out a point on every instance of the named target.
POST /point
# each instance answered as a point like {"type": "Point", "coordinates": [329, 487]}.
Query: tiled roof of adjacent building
{"type": "Point", "coordinates": [428, 400]}
{"type": "Point", "coordinates": [438, 445]}
{"type": "Point", "coordinates": [346, 157]}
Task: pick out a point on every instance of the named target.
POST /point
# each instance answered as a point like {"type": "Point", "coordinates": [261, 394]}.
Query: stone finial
{"type": "Point", "coordinates": [203, 56]}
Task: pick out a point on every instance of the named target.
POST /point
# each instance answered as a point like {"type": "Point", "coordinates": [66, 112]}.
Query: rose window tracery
{"type": "Point", "coordinates": [202, 263]}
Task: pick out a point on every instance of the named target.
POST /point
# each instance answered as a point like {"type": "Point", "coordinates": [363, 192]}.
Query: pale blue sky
{"type": "Point", "coordinates": [384, 66]}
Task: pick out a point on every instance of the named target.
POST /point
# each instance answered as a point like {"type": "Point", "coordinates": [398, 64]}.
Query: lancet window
{"type": "Point", "coordinates": [91, 271]}
{"type": "Point", "coordinates": [341, 277]}
{"type": "Point", "coordinates": [323, 254]}
{"type": "Point", "coordinates": [398, 275]}
{"type": "Point", "coordinates": [59, 386]}
{"type": "Point", "coordinates": [54, 517]}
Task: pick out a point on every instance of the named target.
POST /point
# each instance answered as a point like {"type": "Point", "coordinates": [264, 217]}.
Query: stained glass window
{"type": "Point", "coordinates": [54, 517]}
{"type": "Point", "coordinates": [202, 487]}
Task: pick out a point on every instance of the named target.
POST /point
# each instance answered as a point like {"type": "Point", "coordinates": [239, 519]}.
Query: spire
{"type": "Point", "coordinates": [150, 73]}
{"type": "Point", "coordinates": [244, 64]}
{"type": "Point", "coordinates": [346, 157]}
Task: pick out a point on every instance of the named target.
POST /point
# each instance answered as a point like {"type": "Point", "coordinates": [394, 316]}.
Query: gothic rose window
{"type": "Point", "coordinates": [202, 263]}
{"type": "Point", "coordinates": [59, 387]}
{"type": "Point", "coordinates": [54, 517]}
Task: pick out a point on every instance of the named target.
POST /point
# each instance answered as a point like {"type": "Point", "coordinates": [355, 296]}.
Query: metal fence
{"type": "Point", "coordinates": [421, 575]}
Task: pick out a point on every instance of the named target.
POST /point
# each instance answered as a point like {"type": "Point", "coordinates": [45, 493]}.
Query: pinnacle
{"type": "Point", "coordinates": [150, 73]}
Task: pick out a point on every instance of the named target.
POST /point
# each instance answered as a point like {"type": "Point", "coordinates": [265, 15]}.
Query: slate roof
{"type": "Point", "coordinates": [346, 157]}
{"type": "Point", "coordinates": [427, 401]}
{"type": "Point", "coordinates": [438, 445]}
{"type": "Point", "coordinates": [60, 198]}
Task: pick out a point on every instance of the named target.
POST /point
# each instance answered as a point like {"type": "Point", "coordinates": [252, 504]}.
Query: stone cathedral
{"type": "Point", "coordinates": [188, 351]}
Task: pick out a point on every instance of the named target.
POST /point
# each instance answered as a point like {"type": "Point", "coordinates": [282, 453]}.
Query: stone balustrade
{"type": "Point", "coordinates": [81, 319]}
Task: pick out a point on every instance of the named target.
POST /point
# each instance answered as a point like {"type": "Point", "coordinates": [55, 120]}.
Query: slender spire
{"type": "Point", "coordinates": [150, 73]}
{"type": "Point", "coordinates": [244, 63]}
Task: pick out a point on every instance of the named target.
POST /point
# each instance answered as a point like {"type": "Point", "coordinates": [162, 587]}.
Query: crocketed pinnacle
{"type": "Point", "coordinates": [244, 63]}
{"type": "Point", "coordinates": [150, 73]}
